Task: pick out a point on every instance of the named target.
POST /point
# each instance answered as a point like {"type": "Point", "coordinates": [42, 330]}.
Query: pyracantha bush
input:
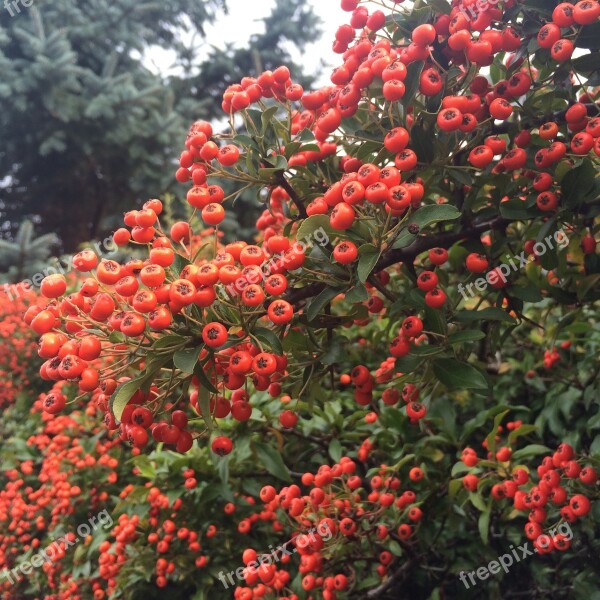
{"type": "Point", "coordinates": [438, 199]}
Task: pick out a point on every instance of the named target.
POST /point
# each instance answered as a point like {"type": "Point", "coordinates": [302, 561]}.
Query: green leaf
{"type": "Point", "coordinates": [245, 140]}
{"type": "Point", "coordinates": [434, 213]}
{"type": "Point", "coordinates": [456, 375]}
{"type": "Point", "coordinates": [116, 337]}
{"type": "Point", "coordinates": [166, 341]}
{"type": "Point", "coordinates": [146, 468]}
{"type": "Point", "coordinates": [306, 135]}
{"type": "Point", "coordinates": [484, 524]}
{"type": "Point", "coordinates": [309, 226]}
{"type": "Point", "coordinates": [587, 64]}
{"type": "Point", "coordinates": [368, 257]}
{"type": "Point", "coordinates": [366, 149]}
{"type": "Point", "coordinates": [204, 405]}
{"type": "Point", "coordinates": [358, 293]}
{"type": "Point", "coordinates": [422, 351]}
{"type": "Point", "coordinates": [520, 432]}
{"type": "Point", "coordinates": [179, 263]}
{"type": "Point", "coordinates": [589, 37]}
{"type": "Point", "coordinates": [425, 216]}
{"type": "Point", "coordinates": [336, 351]}
{"type": "Point", "coordinates": [422, 144]}
{"type": "Point", "coordinates": [335, 450]}
{"type": "Point", "coordinates": [587, 284]}
{"type": "Point", "coordinates": [204, 381]}
{"type": "Point", "coordinates": [579, 185]}
{"type": "Point", "coordinates": [477, 501]}
{"type": "Point", "coordinates": [268, 338]}
{"type": "Point", "coordinates": [408, 363]}
{"type": "Point", "coordinates": [272, 461]}
{"type": "Point", "coordinates": [123, 394]}
{"type": "Point", "coordinates": [491, 438]}
{"type": "Point", "coordinates": [440, 6]}
{"type": "Point", "coordinates": [529, 451]}
{"type": "Point", "coordinates": [470, 335]}
{"type": "Point", "coordinates": [528, 293]}
{"type": "Point", "coordinates": [185, 360]}
{"type": "Point", "coordinates": [492, 313]}
{"type": "Point", "coordinates": [267, 117]}
{"type": "Point", "coordinates": [518, 210]}
{"type": "Point", "coordinates": [404, 239]}
{"type": "Point", "coordinates": [460, 176]}
{"type": "Point", "coordinates": [318, 303]}
{"type": "Point", "coordinates": [412, 81]}
{"type": "Point", "coordinates": [454, 487]}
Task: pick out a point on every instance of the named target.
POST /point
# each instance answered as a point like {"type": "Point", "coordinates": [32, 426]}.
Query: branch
{"type": "Point", "coordinates": [283, 182]}
{"type": "Point", "coordinates": [443, 240]}
{"type": "Point", "coordinates": [408, 254]}
{"type": "Point", "coordinates": [381, 288]}
{"type": "Point", "coordinates": [387, 584]}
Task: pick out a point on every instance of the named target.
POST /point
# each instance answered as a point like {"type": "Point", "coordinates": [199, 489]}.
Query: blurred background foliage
{"type": "Point", "coordinates": [90, 130]}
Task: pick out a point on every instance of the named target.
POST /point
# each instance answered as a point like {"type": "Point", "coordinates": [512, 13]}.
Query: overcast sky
{"type": "Point", "coordinates": [239, 25]}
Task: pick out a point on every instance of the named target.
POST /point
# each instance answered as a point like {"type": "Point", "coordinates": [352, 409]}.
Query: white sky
{"type": "Point", "coordinates": [239, 25]}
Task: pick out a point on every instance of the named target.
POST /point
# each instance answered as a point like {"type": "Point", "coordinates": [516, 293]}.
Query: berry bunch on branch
{"type": "Point", "coordinates": [443, 143]}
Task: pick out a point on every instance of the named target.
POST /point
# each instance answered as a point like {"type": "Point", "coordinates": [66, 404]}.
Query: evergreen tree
{"type": "Point", "coordinates": [86, 127]}
{"type": "Point", "coordinates": [25, 255]}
